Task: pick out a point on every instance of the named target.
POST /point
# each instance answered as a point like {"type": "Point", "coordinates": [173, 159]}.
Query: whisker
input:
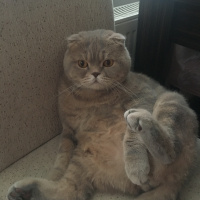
{"type": "Point", "coordinates": [71, 89]}
{"type": "Point", "coordinates": [116, 84]}
{"type": "Point", "coordinates": [125, 89]}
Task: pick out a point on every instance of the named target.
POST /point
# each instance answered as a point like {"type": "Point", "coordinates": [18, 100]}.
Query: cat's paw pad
{"type": "Point", "coordinates": [137, 119]}
{"type": "Point", "coordinates": [19, 194]}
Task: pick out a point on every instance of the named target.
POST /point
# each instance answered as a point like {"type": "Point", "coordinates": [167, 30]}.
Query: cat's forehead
{"type": "Point", "coordinates": [91, 44]}
{"type": "Point", "coordinates": [96, 44]}
{"type": "Point", "coordinates": [94, 49]}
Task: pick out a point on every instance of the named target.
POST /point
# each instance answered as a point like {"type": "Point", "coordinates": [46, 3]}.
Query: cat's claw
{"type": "Point", "coordinates": [136, 119]}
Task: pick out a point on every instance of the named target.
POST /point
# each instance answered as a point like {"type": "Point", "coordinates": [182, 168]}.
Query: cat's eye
{"type": "Point", "coordinates": [108, 63]}
{"type": "Point", "coordinates": [82, 63]}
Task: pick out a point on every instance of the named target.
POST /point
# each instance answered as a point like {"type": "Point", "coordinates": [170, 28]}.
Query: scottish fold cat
{"type": "Point", "coordinates": [122, 131]}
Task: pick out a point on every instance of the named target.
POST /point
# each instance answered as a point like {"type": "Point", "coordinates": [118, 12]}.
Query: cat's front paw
{"type": "Point", "coordinates": [21, 190]}
{"type": "Point", "coordinates": [138, 120]}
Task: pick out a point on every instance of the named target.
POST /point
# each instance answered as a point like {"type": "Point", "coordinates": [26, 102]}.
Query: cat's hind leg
{"type": "Point", "coordinates": [136, 158]}
{"type": "Point", "coordinates": [150, 134]}
{"type": "Point", "coordinates": [169, 136]}
{"type": "Point", "coordinates": [168, 130]}
{"type": "Point", "coordinates": [74, 185]}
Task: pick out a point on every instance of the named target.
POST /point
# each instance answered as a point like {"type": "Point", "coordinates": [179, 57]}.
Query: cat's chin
{"type": "Point", "coordinates": [96, 86]}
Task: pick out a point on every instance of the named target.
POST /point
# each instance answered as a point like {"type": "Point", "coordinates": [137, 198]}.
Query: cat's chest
{"type": "Point", "coordinates": [102, 117]}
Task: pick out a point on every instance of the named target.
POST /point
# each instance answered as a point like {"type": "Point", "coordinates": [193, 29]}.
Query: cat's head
{"type": "Point", "coordinates": [96, 59]}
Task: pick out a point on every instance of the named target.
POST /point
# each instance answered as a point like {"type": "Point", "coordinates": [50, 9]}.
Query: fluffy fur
{"type": "Point", "coordinates": [122, 131]}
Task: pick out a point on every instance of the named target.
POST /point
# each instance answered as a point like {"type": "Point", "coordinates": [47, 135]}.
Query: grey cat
{"type": "Point", "coordinates": [122, 131]}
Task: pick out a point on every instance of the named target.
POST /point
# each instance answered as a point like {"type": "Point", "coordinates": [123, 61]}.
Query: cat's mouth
{"type": "Point", "coordinates": [96, 83]}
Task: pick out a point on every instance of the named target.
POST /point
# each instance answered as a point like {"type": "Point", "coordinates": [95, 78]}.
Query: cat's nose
{"type": "Point", "coordinates": [95, 74]}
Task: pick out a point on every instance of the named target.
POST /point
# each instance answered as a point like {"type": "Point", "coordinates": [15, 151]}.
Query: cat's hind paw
{"type": "Point", "coordinates": [137, 119]}
{"type": "Point", "coordinates": [21, 190]}
{"type": "Point", "coordinates": [19, 194]}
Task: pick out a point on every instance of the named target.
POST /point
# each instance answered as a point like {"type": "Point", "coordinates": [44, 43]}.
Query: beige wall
{"type": "Point", "coordinates": [32, 45]}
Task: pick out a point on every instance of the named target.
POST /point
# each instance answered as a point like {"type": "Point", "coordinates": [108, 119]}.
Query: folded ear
{"type": "Point", "coordinates": [73, 39]}
{"type": "Point", "coordinates": [117, 38]}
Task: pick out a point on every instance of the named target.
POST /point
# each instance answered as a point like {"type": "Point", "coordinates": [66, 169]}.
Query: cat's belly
{"type": "Point", "coordinates": [104, 148]}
